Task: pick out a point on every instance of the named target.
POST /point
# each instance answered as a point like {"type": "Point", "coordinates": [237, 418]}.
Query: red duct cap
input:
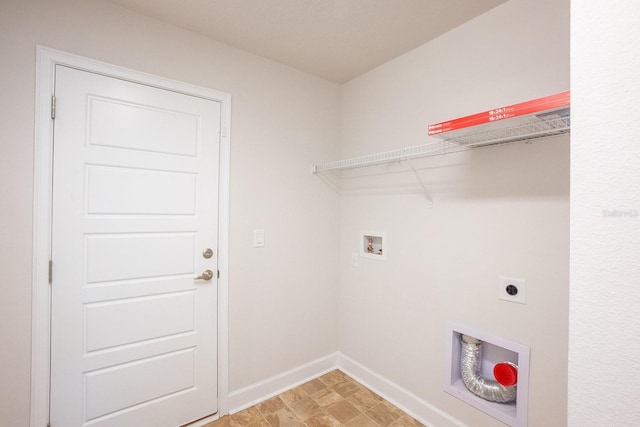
{"type": "Point", "coordinates": [506, 373]}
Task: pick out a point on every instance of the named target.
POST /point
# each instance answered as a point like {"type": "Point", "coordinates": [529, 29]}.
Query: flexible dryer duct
{"type": "Point", "coordinates": [470, 360]}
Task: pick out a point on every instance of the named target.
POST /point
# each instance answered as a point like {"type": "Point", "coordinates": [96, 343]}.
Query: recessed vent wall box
{"type": "Point", "coordinates": [494, 350]}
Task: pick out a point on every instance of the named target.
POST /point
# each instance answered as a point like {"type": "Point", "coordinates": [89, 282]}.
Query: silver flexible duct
{"type": "Point", "coordinates": [470, 360]}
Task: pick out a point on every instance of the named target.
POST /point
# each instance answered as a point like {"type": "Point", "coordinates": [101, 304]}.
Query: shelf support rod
{"type": "Point", "coordinates": [424, 187]}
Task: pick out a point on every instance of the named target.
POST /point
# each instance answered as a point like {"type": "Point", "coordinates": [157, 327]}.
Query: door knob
{"type": "Point", "coordinates": [206, 275]}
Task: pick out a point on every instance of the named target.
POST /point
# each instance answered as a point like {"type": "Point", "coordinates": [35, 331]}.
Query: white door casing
{"type": "Point", "coordinates": [132, 213]}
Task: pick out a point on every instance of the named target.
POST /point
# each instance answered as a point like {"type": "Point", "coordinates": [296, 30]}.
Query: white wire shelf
{"type": "Point", "coordinates": [497, 133]}
{"type": "Point", "coordinates": [524, 131]}
{"type": "Point", "coordinates": [401, 154]}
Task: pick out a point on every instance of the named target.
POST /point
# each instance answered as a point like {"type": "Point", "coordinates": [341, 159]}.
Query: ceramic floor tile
{"type": "Point", "coordinates": [246, 417]}
{"type": "Point", "coordinates": [260, 423]}
{"type": "Point", "coordinates": [346, 388]}
{"type": "Point", "coordinates": [362, 421]}
{"type": "Point", "coordinates": [332, 378]}
{"type": "Point", "coordinates": [313, 386]}
{"type": "Point", "coordinates": [363, 400]}
{"type": "Point", "coordinates": [284, 418]}
{"type": "Point", "coordinates": [326, 397]}
{"type": "Point", "coordinates": [343, 411]}
{"type": "Point", "coordinates": [288, 397]}
{"type": "Point", "coordinates": [323, 420]}
{"type": "Point", "coordinates": [332, 400]}
{"type": "Point", "coordinates": [384, 413]}
{"type": "Point", "coordinates": [272, 405]}
{"type": "Point", "coordinates": [305, 408]}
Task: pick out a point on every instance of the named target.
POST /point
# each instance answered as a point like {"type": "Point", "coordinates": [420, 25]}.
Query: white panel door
{"type": "Point", "coordinates": [135, 203]}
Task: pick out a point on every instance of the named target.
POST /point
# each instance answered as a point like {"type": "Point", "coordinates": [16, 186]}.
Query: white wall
{"type": "Point", "coordinates": [604, 342]}
{"type": "Point", "coordinates": [497, 211]}
{"type": "Point", "coordinates": [282, 297]}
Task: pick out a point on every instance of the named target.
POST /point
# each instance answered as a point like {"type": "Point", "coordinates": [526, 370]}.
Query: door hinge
{"type": "Point", "coordinates": [223, 132]}
{"type": "Point", "coordinates": [50, 272]}
{"type": "Point", "coordinates": [53, 107]}
{"type": "Point", "coordinates": [218, 274]}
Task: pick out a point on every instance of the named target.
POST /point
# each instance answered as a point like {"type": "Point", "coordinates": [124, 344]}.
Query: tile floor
{"type": "Point", "coordinates": [332, 400]}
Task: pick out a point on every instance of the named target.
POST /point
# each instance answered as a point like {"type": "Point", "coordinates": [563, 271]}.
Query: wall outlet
{"type": "Point", "coordinates": [258, 238]}
{"type": "Point", "coordinates": [513, 289]}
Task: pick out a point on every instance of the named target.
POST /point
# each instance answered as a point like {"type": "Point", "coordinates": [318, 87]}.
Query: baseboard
{"type": "Point", "coordinates": [204, 421]}
{"type": "Point", "coordinates": [413, 405]}
{"type": "Point", "coordinates": [266, 389]}
{"type": "Point", "coordinates": [418, 408]}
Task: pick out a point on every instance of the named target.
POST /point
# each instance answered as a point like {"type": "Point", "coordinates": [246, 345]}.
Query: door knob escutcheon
{"type": "Point", "coordinates": [207, 253]}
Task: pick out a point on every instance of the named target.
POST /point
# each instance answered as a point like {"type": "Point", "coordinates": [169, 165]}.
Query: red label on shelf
{"type": "Point", "coordinates": [534, 106]}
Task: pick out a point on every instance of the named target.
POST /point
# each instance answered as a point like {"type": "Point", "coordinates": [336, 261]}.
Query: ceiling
{"type": "Point", "coordinates": [333, 39]}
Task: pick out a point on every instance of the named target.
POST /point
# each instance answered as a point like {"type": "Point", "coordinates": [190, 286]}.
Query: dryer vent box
{"type": "Point", "coordinates": [494, 350]}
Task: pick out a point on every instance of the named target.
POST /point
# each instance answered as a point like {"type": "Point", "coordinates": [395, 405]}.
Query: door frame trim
{"type": "Point", "coordinates": [46, 61]}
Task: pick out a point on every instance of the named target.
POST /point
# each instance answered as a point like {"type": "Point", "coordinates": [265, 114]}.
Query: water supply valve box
{"type": "Point", "coordinates": [373, 244]}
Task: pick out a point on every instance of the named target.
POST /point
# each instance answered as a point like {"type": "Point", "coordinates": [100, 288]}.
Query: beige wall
{"type": "Point", "coordinates": [604, 343]}
{"type": "Point", "coordinates": [282, 121]}
{"type": "Point", "coordinates": [500, 211]}
{"type": "Point", "coordinates": [497, 211]}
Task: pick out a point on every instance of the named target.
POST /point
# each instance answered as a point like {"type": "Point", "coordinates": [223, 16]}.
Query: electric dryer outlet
{"type": "Point", "coordinates": [513, 289]}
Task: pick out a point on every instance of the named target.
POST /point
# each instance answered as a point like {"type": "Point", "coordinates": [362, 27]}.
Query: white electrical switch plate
{"type": "Point", "coordinates": [513, 289]}
{"type": "Point", "coordinates": [354, 259]}
{"type": "Point", "coordinates": [258, 238]}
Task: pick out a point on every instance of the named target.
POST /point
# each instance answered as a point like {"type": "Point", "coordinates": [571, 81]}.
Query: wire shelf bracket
{"type": "Point", "coordinates": [422, 184]}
